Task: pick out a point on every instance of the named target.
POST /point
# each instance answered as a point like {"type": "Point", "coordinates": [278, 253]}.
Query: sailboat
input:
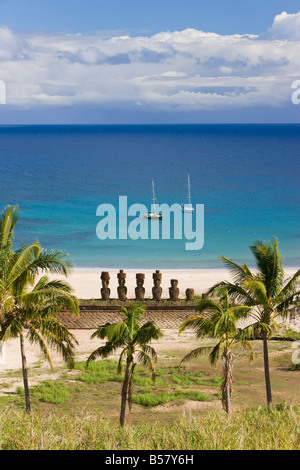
{"type": "Point", "coordinates": [153, 214]}
{"type": "Point", "coordinates": [189, 206]}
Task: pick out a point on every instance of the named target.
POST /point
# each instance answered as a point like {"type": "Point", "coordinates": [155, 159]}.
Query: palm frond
{"type": "Point", "coordinates": [224, 324]}
{"type": "Point", "coordinates": [34, 337]}
{"type": "Point", "coordinates": [22, 260]}
{"type": "Point", "coordinates": [282, 307]}
{"type": "Point", "coordinates": [8, 221]}
{"type": "Point", "coordinates": [52, 296]}
{"type": "Point", "coordinates": [56, 284]}
{"type": "Point", "coordinates": [237, 292]}
{"type": "Point", "coordinates": [101, 331]}
{"type": "Point", "coordinates": [269, 263]}
{"type": "Point", "coordinates": [260, 327]}
{"type": "Point", "coordinates": [196, 353]}
{"type": "Point", "coordinates": [146, 361]}
{"type": "Point", "coordinates": [200, 324]}
{"type": "Point", "coordinates": [290, 289]}
{"type": "Point", "coordinates": [114, 332]}
{"type": "Point", "coordinates": [215, 353]}
{"type": "Point", "coordinates": [117, 332]}
{"type": "Point", "coordinates": [258, 291]}
{"type": "Point", "coordinates": [147, 349]}
{"type": "Point", "coordinates": [11, 326]}
{"type": "Point", "coordinates": [208, 305]}
{"type": "Point", "coordinates": [102, 351]}
{"type": "Point", "coordinates": [243, 334]}
{"type": "Point", "coordinates": [54, 261]}
{"type": "Point", "coordinates": [247, 345]}
{"type": "Point", "coordinates": [51, 330]}
{"type": "Point", "coordinates": [238, 273]}
{"type": "Point", "coordinates": [120, 362]}
{"type": "Point", "coordinates": [241, 311]}
{"type": "Point", "coordinates": [147, 332]}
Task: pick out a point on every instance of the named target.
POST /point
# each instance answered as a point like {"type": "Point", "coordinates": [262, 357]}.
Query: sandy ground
{"type": "Point", "coordinates": [11, 354]}
{"type": "Point", "coordinates": [87, 284]}
{"type": "Point", "coordinates": [40, 370]}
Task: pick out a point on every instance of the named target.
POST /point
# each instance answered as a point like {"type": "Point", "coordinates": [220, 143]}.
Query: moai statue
{"type": "Point", "coordinates": [105, 291]}
{"type": "Point", "coordinates": [122, 289]}
{"type": "Point", "coordinates": [173, 290]}
{"type": "Point", "coordinates": [140, 289]}
{"type": "Point", "coordinates": [189, 294]}
{"type": "Point", "coordinates": [157, 290]}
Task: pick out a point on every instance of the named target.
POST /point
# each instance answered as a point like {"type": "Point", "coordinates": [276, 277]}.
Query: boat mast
{"type": "Point", "coordinates": [154, 198]}
{"type": "Point", "coordinates": [189, 191]}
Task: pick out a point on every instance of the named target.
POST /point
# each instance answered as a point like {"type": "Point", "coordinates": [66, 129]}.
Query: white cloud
{"type": "Point", "coordinates": [12, 47]}
{"type": "Point", "coordinates": [180, 70]}
{"type": "Point", "coordinates": [286, 26]}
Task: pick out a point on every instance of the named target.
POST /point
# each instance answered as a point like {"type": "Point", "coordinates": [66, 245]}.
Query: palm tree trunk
{"type": "Point", "coordinates": [267, 370]}
{"type": "Point", "coordinates": [25, 376]}
{"type": "Point", "coordinates": [227, 382]}
{"type": "Point", "coordinates": [125, 392]}
{"type": "Point", "coordinates": [130, 385]}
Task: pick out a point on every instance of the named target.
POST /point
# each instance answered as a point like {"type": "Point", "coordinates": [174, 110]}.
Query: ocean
{"type": "Point", "coordinates": [247, 177]}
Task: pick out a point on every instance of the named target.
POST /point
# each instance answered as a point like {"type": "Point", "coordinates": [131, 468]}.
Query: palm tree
{"type": "Point", "coordinates": [8, 221]}
{"type": "Point", "coordinates": [266, 291]}
{"type": "Point", "coordinates": [33, 309]}
{"type": "Point", "coordinates": [23, 265]}
{"type": "Point", "coordinates": [34, 314]}
{"type": "Point", "coordinates": [218, 320]}
{"type": "Point", "coordinates": [133, 338]}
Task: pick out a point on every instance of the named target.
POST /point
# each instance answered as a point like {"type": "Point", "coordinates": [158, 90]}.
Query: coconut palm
{"type": "Point", "coordinates": [34, 314]}
{"type": "Point", "coordinates": [22, 266]}
{"type": "Point", "coordinates": [24, 307]}
{"type": "Point", "coordinates": [218, 320]}
{"type": "Point", "coordinates": [8, 221]}
{"type": "Point", "coordinates": [133, 339]}
{"type": "Point", "coordinates": [265, 290]}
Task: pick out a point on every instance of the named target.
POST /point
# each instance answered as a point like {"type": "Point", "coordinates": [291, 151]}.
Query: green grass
{"type": "Point", "coordinates": [151, 399]}
{"type": "Point", "coordinates": [99, 372]}
{"type": "Point", "coordinates": [251, 429]}
{"type": "Point", "coordinates": [196, 379]}
{"type": "Point", "coordinates": [80, 408]}
{"type": "Point", "coordinates": [48, 392]}
{"type": "Point", "coordinates": [148, 393]}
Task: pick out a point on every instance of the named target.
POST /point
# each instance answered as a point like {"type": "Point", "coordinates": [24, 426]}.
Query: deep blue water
{"type": "Point", "coordinates": [247, 177]}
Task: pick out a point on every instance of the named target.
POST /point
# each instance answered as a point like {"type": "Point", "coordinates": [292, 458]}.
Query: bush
{"type": "Point", "coordinates": [152, 399]}
{"type": "Point", "coordinates": [49, 392]}
{"type": "Point", "coordinates": [99, 372]}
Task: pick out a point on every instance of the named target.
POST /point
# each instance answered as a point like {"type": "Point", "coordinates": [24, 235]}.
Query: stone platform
{"type": "Point", "coordinates": [92, 316]}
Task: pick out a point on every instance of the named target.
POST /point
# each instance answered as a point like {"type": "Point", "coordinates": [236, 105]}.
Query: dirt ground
{"type": "Point", "coordinates": [10, 365]}
{"type": "Point", "coordinates": [171, 348]}
{"type": "Point", "coordinates": [10, 355]}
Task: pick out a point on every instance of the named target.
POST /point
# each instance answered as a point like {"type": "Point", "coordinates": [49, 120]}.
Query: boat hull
{"type": "Point", "coordinates": [153, 216]}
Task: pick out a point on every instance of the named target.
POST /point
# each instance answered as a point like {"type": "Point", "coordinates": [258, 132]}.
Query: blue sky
{"type": "Point", "coordinates": [146, 61]}
{"type": "Point", "coordinates": [222, 17]}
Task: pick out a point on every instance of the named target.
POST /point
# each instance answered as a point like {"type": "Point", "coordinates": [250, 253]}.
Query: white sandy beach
{"type": "Point", "coordinates": [87, 284]}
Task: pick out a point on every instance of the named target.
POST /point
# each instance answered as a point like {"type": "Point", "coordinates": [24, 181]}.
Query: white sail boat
{"type": "Point", "coordinates": [189, 206]}
{"type": "Point", "coordinates": [153, 214]}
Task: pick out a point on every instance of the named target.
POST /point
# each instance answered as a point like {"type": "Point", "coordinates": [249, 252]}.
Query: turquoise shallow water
{"type": "Point", "coordinates": [247, 177]}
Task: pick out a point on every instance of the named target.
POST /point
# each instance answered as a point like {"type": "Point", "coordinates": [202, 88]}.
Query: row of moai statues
{"type": "Point", "coordinates": [140, 289]}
